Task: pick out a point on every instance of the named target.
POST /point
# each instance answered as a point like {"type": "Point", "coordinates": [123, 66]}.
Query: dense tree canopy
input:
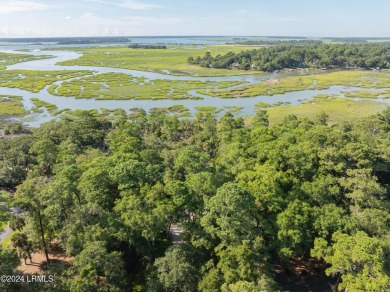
{"type": "Point", "coordinates": [246, 194]}
{"type": "Point", "coordinates": [302, 55]}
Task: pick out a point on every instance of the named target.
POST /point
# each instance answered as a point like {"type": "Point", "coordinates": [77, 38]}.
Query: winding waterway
{"type": "Point", "coordinates": [247, 104]}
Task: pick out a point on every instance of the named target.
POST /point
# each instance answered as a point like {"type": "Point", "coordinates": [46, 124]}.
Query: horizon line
{"type": "Point", "coordinates": [191, 36]}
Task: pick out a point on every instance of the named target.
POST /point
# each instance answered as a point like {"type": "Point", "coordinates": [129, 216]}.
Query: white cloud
{"type": "Point", "coordinates": [11, 6]}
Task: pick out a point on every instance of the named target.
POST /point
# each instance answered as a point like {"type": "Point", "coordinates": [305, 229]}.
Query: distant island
{"type": "Point", "coordinates": [68, 40]}
{"type": "Point", "coordinates": [146, 46]}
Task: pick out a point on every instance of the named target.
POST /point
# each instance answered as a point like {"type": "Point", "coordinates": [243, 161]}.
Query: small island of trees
{"type": "Point", "coordinates": [302, 54]}
{"type": "Point", "coordinates": [147, 46]}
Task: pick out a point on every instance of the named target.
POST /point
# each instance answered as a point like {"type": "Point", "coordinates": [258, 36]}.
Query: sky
{"type": "Point", "coordinates": [312, 18]}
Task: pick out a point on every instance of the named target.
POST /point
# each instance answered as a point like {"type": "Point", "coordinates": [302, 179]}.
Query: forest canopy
{"type": "Point", "coordinates": [247, 195]}
{"type": "Point", "coordinates": [290, 55]}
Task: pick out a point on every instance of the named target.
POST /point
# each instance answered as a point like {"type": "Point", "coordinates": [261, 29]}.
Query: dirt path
{"type": "Point", "coordinates": [176, 233]}
{"type": "Point", "coordinates": [5, 233]}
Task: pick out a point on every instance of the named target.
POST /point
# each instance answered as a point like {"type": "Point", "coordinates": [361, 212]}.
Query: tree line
{"type": "Point", "coordinates": [269, 42]}
{"type": "Point", "coordinates": [247, 195]}
{"type": "Point", "coordinates": [290, 55]}
{"type": "Point", "coordinates": [146, 46]}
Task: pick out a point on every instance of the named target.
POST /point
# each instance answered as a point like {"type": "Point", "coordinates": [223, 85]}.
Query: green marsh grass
{"type": "Point", "coordinates": [209, 109]}
{"type": "Point", "coordinates": [34, 80]}
{"type": "Point", "coordinates": [7, 59]}
{"type": "Point", "coordinates": [368, 94]}
{"type": "Point", "coordinates": [39, 104]}
{"type": "Point", "coordinates": [11, 105]}
{"type": "Point", "coordinates": [363, 79]}
{"type": "Point", "coordinates": [338, 109]}
{"type": "Point", "coordinates": [233, 109]}
{"type": "Point", "coordinates": [112, 86]}
{"type": "Point", "coordinates": [172, 60]}
{"type": "Point", "coordinates": [263, 104]}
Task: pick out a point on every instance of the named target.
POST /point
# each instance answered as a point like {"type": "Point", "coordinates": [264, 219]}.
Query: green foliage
{"type": "Point", "coordinates": [231, 215]}
{"type": "Point", "coordinates": [31, 198]}
{"type": "Point", "coordinates": [329, 218]}
{"type": "Point", "coordinates": [211, 281]}
{"type": "Point", "coordinates": [238, 195]}
{"type": "Point", "coordinates": [15, 161]}
{"type": "Point", "coordinates": [8, 262]}
{"type": "Point", "coordinates": [241, 286]}
{"type": "Point", "coordinates": [145, 214]}
{"type": "Point", "coordinates": [361, 187]}
{"type": "Point", "coordinates": [358, 258]}
{"type": "Point", "coordinates": [302, 55]}
{"type": "Point", "coordinates": [138, 46]}
{"type": "Point", "coordinates": [5, 204]}
{"type": "Point", "coordinates": [46, 155]}
{"type": "Point", "coordinates": [189, 161]}
{"type": "Point", "coordinates": [264, 284]}
{"type": "Point", "coordinates": [295, 224]}
{"type": "Point", "coordinates": [23, 245]}
{"type": "Point", "coordinates": [238, 263]}
{"type": "Point", "coordinates": [96, 269]}
{"type": "Point", "coordinates": [175, 271]}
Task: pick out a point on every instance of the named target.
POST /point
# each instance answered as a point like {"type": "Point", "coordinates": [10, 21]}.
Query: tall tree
{"type": "Point", "coordinates": [358, 259]}
{"type": "Point", "coordinates": [29, 198]}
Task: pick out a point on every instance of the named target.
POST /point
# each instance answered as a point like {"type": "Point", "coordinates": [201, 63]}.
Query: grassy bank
{"type": "Point", "coordinates": [7, 59]}
{"type": "Point", "coordinates": [368, 94]}
{"type": "Point", "coordinates": [338, 110]}
{"type": "Point", "coordinates": [11, 107]}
